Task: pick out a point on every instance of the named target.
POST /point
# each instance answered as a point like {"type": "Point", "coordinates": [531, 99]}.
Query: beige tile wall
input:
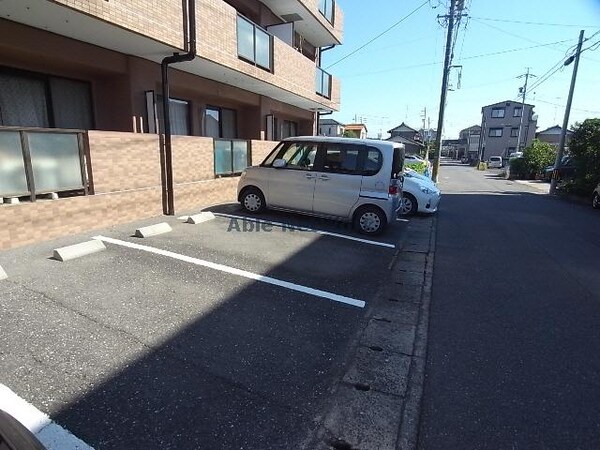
{"type": "Point", "coordinates": [126, 170]}
{"type": "Point", "coordinates": [161, 20]}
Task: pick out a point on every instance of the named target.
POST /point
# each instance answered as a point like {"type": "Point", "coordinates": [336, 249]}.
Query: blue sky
{"type": "Point", "coordinates": [398, 75]}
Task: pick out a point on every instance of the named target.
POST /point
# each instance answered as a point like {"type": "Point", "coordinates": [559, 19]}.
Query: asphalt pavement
{"type": "Point", "coordinates": [514, 334]}
{"type": "Point", "coordinates": [217, 335]}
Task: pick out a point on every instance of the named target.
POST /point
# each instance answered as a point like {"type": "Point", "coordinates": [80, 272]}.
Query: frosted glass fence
{"type": "Point", "coordinates": [231, 156]}
{"type": "Point", "coordinates": [39, 162]}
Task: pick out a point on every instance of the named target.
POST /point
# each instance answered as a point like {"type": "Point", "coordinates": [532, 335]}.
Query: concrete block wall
{"type": "Point", "coordinates": [158, 19]}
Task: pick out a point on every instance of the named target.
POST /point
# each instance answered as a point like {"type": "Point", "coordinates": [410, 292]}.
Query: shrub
{"type": "Point", "coordinates": [585, 148]}
{"type": "Point", "coordinates": [420, 167]}
{"type": "Point", "coordinates": [518, 168]}
{"type": "Point", "coordinates": [538, 155]}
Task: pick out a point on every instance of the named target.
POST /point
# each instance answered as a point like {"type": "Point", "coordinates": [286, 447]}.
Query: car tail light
{"type": "Point", "coordinates": [393, 190]}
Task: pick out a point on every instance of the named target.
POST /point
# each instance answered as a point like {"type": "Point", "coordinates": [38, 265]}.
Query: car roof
{"type": "Point", "coordinates": [345, 140]}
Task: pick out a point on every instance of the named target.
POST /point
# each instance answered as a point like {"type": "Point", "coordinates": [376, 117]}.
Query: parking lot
{"type": "Point", "coordinates": [229, 333]}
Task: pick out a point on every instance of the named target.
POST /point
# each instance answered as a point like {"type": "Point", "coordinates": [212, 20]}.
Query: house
{"type": "Point", "coordinates": [87, 77]}
{"type": "Point", "coordinates": [358, 130]}
{"type": "Point", "coordinates": [501, 126]}
{"type": "Point", "coordinates": [411, 138]}
{"type": "Point", "coordinates": [429, 135]}
{"type": "Point", "coordinates": [552, 135]}
{"type": "Point", "coordinates": [330, 127]}
{"type": "Point", "coordinates": [469, 146]}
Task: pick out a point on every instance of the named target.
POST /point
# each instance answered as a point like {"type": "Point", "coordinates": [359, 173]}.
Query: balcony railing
{"type": "Point", "coordinates": [327, 8]}
{"type": "Point", "coordinates": [254, 44]}
{"type": "Point", "coordinates": [323, 82]}
{"type": "Point", "coordinates": [41, 161]}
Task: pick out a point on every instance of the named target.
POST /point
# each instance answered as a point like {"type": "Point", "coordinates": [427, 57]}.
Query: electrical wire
{"type": "Point", "coordinates": [483, 55]}
{"type": "Point", "coordinates": [380, 34]}
{"type": "Point", "coordinates": [564, 106]}
{"type": "Point", "coordinates": [534, 23]}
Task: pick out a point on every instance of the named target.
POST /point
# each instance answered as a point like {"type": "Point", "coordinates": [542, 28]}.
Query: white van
{"type": "Point", "coordinates": [495, 162]}
{"type": "Point", "coordinates": [356, 180]}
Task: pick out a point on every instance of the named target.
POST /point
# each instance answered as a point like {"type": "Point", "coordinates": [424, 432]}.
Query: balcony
{"type": "Point", "coordinates": [242, 56]}
{"type": "Point", "coordinates": [321, 22]}
{"type": "Point", "coordinates": [323, 83]}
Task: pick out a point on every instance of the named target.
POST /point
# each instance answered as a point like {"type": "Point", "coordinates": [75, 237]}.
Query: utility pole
{"type": "Point", "coordinates": [527, 75]}
{"type": "Point", "coordinates": [445, 74]}
{"type": "Point", "coordinates": [563, 132]}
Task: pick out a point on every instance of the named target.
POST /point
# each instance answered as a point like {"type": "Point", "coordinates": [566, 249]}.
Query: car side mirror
{"type": "Point", "coordinates": [279, 163]}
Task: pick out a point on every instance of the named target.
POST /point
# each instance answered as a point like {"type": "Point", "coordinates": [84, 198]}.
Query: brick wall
{"type": "Point", "coordinates": [126, 171]}
{"type": "Point", "coordinates": [161, 20]}
{"type": "Point", "coordinates": [123, 161]}
{"type": "Point", "coordinates": [260, 150]}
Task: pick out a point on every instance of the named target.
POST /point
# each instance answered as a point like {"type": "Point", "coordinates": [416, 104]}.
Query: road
{"type": "Point", "coordinates": [514, 333]}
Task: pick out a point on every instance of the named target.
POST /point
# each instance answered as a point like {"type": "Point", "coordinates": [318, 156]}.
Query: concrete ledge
{"type": "Point", "coordinates": [199, 218]}
{"type": "Point", "coordinates": [2, 274]}
{"type": "Point", "coordinates": [77, 250]}
{"type": "Point", "coordinates": [153, 230]}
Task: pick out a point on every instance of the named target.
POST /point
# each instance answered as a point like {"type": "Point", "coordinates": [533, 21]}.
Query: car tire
{"type": "Point", "coordinates": [409, 205]}
{"type": "Point", "coordinates": [370, 220]}
{"type": "Point", "coordinates": [252, 200]}
{"type": "Point", "coordinates": [15, 436]}
{"type": "Point", "coordinates": [596, 201]}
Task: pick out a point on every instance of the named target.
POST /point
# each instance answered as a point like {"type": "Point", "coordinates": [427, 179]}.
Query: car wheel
{"type": "Point", "coordinates": [370, 220]}
{"type": "Point", "coordinates": [252, 200]}
{"type": "Point", "coordinates": [409, 204]}
{"type": "Point", "coordinates": [596, 201]}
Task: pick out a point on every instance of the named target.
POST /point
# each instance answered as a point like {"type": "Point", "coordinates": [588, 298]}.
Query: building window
{"type": "Point", "coordinates": [518, 112]}
{"type": "Point", "coordinates": [323, 81]}
{"type": "Point", "coordinates": [220, 123]}
{"type": "Point", "coordinates": [254, 44]}
{"type": "Point", "coordinates": [36, 100]}
{"type": "Point", "coordinates": [514, 132]}
{"type": "Point", "coordinates": [288, 129]}
{"type": "Point", "coordinates": [231, 157]}
{"type": "Point", "coordinates": [497, 113]}
{"type": "Point", "coordinates": [495, 132]}
{"type": "Point", "coordinates": [179, 115]}
{"type": "Point", "coordinates": [327, 8]}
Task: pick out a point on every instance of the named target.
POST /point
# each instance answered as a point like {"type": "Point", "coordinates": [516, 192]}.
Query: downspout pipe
{"type": "Point", "coordinates": [167, 151]}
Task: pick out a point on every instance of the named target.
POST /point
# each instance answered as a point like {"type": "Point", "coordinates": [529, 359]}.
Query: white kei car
{"type": "Point", "coordinates": [419, 194]}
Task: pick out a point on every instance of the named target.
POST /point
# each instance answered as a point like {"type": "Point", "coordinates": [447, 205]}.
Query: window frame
{"type": "Point", "coordinates": [45, 79]}
{"type": "Point", "coordinates": [514, 132]}
{"type": "Point", "coordinates": [253, 61]}
{"type": "Point", "coordinates": [323, 10]}
{"type": "Point", "coordinates": [518, 108]}
{"type": "Point", "coordinates": [220, 109]}
{"type": "Point", "coordinates": [495, 129]}
{"type": "Point", "coordinates": [498, 109]}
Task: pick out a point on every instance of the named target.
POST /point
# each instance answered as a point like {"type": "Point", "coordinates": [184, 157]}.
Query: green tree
{"type": "Point", "coordinates": [537, 156]}
{"type": "Point", "coordinates": [585, 148]}
{"type": "Point", "coordinates": [350, 134]}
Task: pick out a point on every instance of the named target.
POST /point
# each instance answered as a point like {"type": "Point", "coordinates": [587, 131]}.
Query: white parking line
{"type": "Point", "coordinates": [239, 272]}
{"type": "Point", "coordinates": [288, 226]}
{"type": "Point", "coordinates": [52, 435]}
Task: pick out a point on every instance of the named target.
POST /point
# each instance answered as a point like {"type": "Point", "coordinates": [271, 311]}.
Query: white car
{"type": "Point", "coordinates": [495, 162]}
{"type": "Point", "coordinates": [419, 194]}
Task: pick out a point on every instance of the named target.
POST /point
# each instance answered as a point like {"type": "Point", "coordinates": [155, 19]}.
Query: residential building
{"type": "Point", "coordinates": [500, 125]}
{"type": "Point", "coordinates": [469, 146]}
{"type": "Point", "coordinates": [552, 136]}
{"type": "Point", "coordinates": [330, 127]}
{"type": "Point", "coordinates": [91, 70]}
{"type": "Point", "coordinates": [428, 135]}
{"type": "Point", "coordinates": [411, 138]}
{"type": "Point", "coordinates": [358, 130]}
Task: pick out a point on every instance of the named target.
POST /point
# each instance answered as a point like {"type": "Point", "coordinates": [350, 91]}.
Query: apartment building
{"type": "Point", "coordinates": [469, 142]}
{"type": "Point", "coordinates": [87, 75]}
{"type": "Point", "coordinates": [502, 124]}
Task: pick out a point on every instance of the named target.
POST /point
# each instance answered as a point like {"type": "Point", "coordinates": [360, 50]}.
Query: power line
{"type": "Point", "coordinates": [483, 55]}
{"type": "Point", "coordinates": [506, 32]}
{"type": "Point", "coordinates": [564, 106]}
{"type": "Point", "coordinates": [534, 23]}
{"type": "Point", "coordinates": [380, 34]}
